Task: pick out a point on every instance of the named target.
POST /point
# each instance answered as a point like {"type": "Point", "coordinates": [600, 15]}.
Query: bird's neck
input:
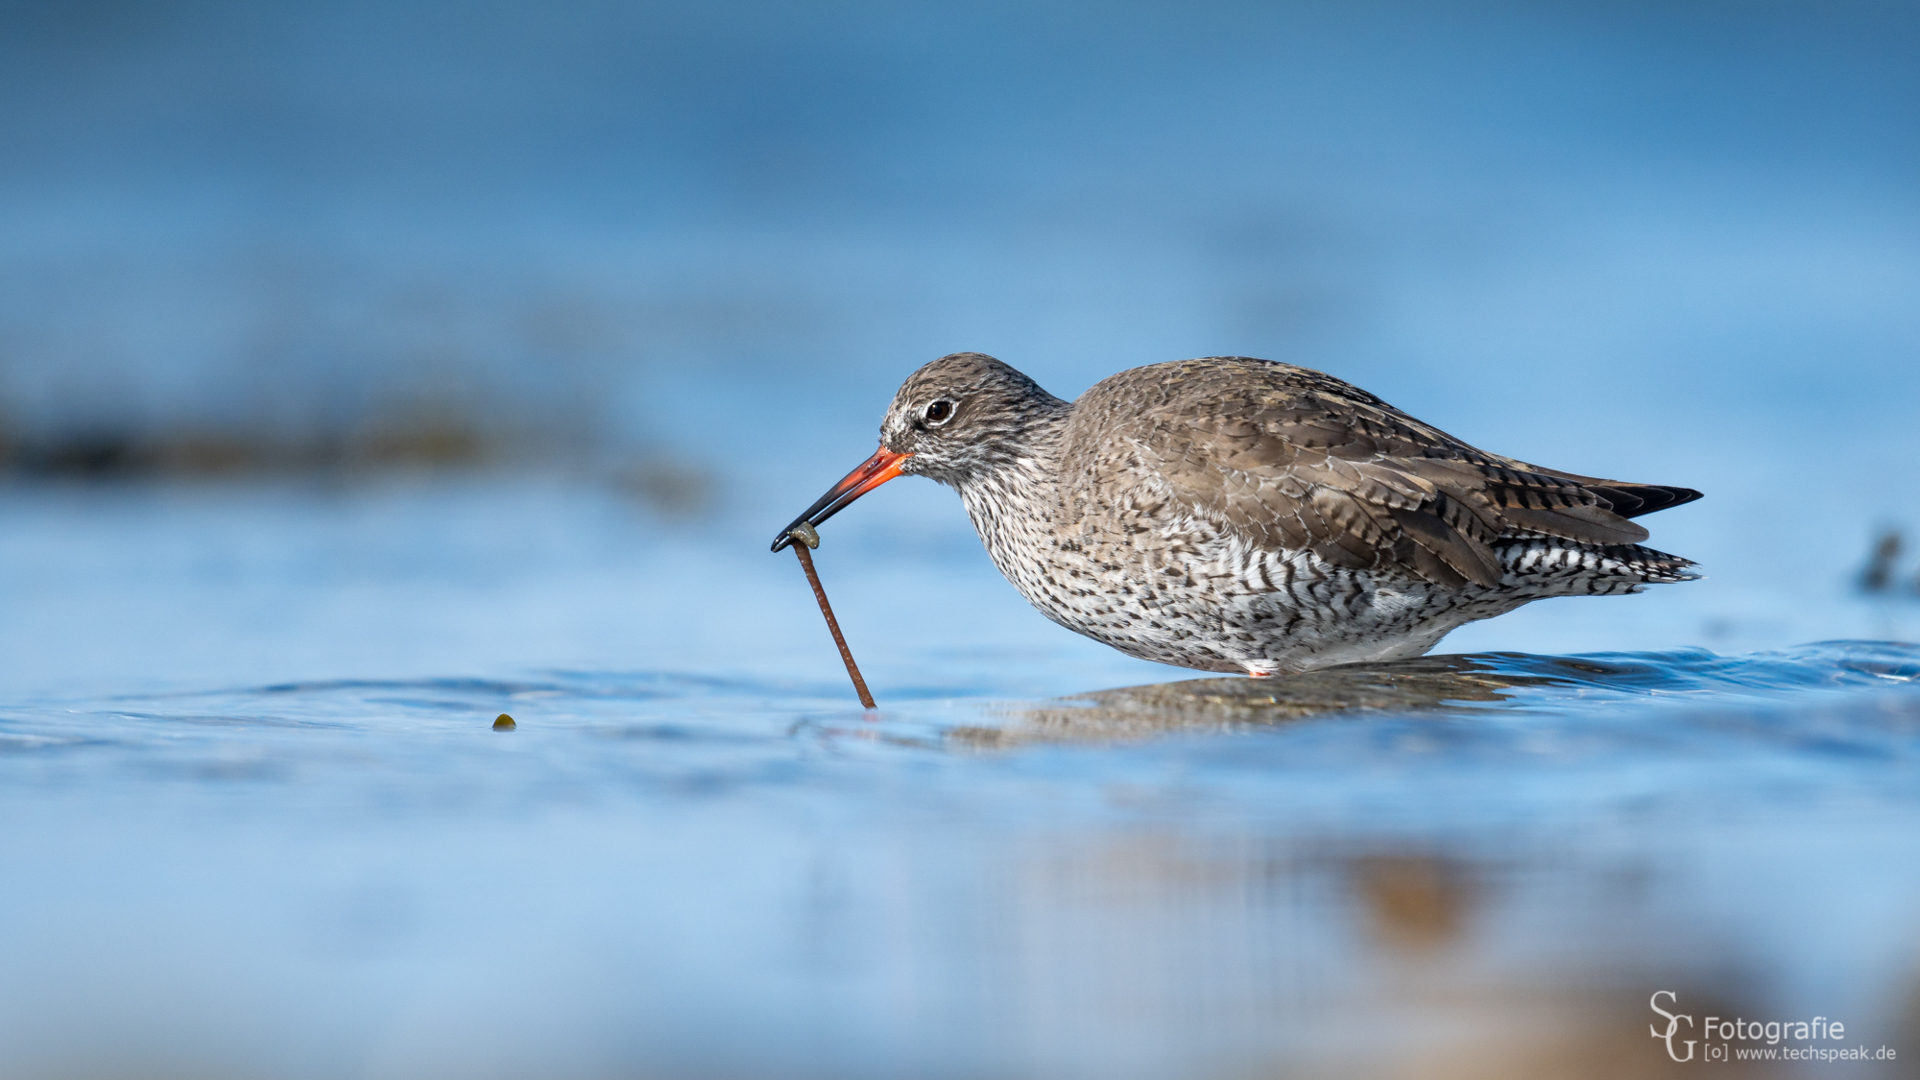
{"type": "Point", "coordinates": [1013, 503]}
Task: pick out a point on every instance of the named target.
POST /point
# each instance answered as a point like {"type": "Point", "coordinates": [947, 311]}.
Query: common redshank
{"type": "Point", "coordinates": [1241, 515]}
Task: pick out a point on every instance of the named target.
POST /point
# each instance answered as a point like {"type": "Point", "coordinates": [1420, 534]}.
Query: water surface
{"type": "Point", "coordinates": [696, 856]}
{"type": "Point", "coordinates": [638, 280]}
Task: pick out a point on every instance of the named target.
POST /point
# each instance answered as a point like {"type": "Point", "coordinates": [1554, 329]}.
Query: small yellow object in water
{"type": "Point", "coordinates": [503, 722]}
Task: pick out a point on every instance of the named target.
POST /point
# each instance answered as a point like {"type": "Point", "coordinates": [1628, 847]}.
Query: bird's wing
{"type": "Point", "coordinates": [1292, 458]}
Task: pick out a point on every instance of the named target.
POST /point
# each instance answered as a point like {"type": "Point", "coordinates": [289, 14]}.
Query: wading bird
{"type": "Point", "coordinates": [1241, 515]}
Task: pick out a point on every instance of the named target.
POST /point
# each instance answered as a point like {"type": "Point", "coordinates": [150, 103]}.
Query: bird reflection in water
{"type": "Point", "coordinates": [1423, 685]}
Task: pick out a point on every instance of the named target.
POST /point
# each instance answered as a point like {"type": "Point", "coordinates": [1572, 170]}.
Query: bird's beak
{"type": "Point", "coordinates": [883, 466]}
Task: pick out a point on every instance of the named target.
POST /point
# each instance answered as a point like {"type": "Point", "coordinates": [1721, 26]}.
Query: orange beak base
{"type": "Point", "coordinates": [883, 466]}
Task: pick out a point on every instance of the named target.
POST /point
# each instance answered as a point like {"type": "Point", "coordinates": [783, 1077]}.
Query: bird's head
{"type": "Point", "coordinates": [954, 420]}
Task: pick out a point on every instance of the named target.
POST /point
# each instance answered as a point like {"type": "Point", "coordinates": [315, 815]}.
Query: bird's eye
{"type": "Point", "coordinates": [939, 412]}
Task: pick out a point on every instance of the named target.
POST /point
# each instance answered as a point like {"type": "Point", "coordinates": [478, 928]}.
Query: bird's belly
{"type": "Point", "coordinates": [1217, 605]}
{"type": "Point", "coordinates": [1198, 595]}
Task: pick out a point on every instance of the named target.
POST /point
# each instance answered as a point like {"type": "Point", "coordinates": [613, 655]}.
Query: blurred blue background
{"type": "Point", "coordinates": [692, 248]}
{"type": "Point", "coordinates": [368, 369]}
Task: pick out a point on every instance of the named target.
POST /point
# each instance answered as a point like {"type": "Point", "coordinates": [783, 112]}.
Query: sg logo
{"type": "Point", "coordinates": [1673, 1024]}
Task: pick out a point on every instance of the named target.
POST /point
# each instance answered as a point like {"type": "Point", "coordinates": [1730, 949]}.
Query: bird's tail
{"type": "Point", "coordinates": [1572, 569]}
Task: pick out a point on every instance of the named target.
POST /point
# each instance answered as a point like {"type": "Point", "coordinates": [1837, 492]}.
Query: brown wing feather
{"type": "Point", "coordinates": [1297, 459]}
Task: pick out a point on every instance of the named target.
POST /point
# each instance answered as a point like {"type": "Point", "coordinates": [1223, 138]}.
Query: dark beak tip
{"type": "Point", "coordinates": [871, 474]}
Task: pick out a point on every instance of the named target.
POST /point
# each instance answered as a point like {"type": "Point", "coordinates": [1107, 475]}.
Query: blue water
{"type": "Point", "coordinates": [257, 821]}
